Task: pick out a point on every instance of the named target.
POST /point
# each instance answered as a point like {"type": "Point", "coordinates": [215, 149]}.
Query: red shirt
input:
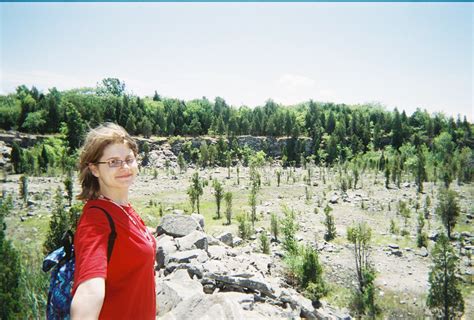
{"type": "Point", "coordinates": [129, 275]}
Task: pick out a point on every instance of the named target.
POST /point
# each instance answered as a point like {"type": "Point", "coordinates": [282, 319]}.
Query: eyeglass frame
{"type": "Point", "coordinates": [120, 162]}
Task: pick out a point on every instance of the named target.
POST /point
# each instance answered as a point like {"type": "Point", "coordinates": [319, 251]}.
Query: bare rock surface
{"type": "Point", "coordinates": [196, 280]}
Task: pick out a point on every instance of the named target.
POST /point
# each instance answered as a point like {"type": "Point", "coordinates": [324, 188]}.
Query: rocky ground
{"type": "Point", "coordinates": [402, 278]}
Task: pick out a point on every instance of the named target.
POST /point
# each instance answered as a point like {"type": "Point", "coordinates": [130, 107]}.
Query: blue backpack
{"type": "Point", "coordinates": [62, 263]}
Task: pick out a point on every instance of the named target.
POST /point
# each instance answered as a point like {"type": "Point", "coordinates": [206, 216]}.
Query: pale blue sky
{"type": "Point", "coordinates": [403, 55]}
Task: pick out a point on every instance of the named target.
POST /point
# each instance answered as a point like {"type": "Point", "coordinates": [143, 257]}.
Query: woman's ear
{"type": "Point", "coordinates": [94, 170]}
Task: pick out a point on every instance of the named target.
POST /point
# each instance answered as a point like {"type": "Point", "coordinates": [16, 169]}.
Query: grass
{"type": "Point", "coordinates": [388, 301]}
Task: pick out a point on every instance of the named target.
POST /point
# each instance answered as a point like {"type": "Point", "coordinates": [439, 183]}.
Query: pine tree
{"type": "Point", "coordinates": [421, 237]}
{"type": "Point", "coordinates": [76, 128]}
{"type": "Point", "coordinates": [274, 226]}
{"type": "Point", "coordinates": [448, 209]}
{"type": "Point", "coordinates": [16, 158]}
{"type": "Point", "coordinates": [312, 275]}
{"type": "Point", "coordinates": [329, 223]}
{"type": "Point", "coordinates": [181, 163]}
{"type": "Point", "coordinates": [58, 225]}
{"type": "Point", "coordinates": [68, 185]}
{"type": "Point", "coordinates": [444, 297]}
{"type": "Point", "coordinates": [24, 188]}
{"type": "Point", "coordinates": [253, 203]}
{"type": "Point", "coordinates": [264, 243]}
{"type": "Point", "coordinates": [195, 191]}
{"type": "Point", "coordinates": [228, 207]}
{"type": "Point", "coordinates": [363, 301]}
{"type": "Point", "coordinates": [10, 271]}
{"type": "Point", "coordinates": [218, 194]}
{"type": "Point", "coordinates": [420, 175]}
{"type": "Point", "coordinates": [289, 228]}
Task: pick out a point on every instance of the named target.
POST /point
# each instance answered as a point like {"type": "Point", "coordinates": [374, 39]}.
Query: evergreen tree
{"type": "Point", "coordinates": [156, 97]}
{"type": "Point", "coordinates": [76, 128]}
{"type": "Point", "coordinates": [421, 237]}
{"type": "Point", "coordinates": [274, 226]}
{"type": "Point", "coordinates": [16, 158]}
{"type": "Point", "coordinates": [10, 270]}
{"type": "Point", "coordinates": [58, 225]}
{"type": "Point", "coordinates": [181, 163]}
{"type": "Point", "coordinates": [24, 188]}
{"type": "Point", "coordinates": [68, 186]}
{"type": "Point", "coordinates": [195, 191]}
{"type": "Point", "coordinates": [363, 301]}
{"type": "Point", "coordinates": [312, 275]}
{"type": "Point", "coordinates": [448, 209]}
{"type": "Point", "coordinates": [218, 194]}
{"type": "Point", "coordinates": [289, 228]}
{"type": "Point", "coordinates": [131, 126]}
{"type": "Point", "coordinates": [329, 223]}
{"type": "Point", "coordinates": [253, 203]}
{"type": "Point", "coordinates": [44, 159]}
{"type": "Point", "coordinates": [420, 170]}
{"type": "Point", "coordinates": [228, 207]}
{"type": "Point", "coordinates": [264, 243]}
{"type": "Point", "coordinates": [397, 132]}
{"type": "Point", "coordinates": [444, 297]}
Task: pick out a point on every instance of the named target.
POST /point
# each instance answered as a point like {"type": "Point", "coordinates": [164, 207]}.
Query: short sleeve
{"type": "Point", "coordinates": [90, 246]}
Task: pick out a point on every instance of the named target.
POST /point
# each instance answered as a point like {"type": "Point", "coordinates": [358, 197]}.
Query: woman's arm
{"type": "Point", "coordinates": [88, 299]}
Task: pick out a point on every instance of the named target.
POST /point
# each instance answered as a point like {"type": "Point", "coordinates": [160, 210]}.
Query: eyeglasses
{"type": "Point", "coordinates": [117, 163]}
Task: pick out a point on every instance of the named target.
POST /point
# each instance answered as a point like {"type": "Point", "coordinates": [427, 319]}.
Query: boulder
{"type": "Point", "coordinates": [297, 301]}
{"type": "Point", "coordinates": [217, 252]}
{"type": "Point", "coordinates": [165, 247]}
{"type": "Point", "coordinates": [177, 225]}
{"type": "Point", "coordinates": [194, 240]}
{"type": "Point", "coordinates": [199, 219]}
{"type": "Point", "coordinates": [188, 255]}
{"type": "Point", "coordinates": [174, 289]}
{"type": "Point", "coordinates": [334, 199]}
{"type": "Point", "coordinates": [210, 307]}
{"type": "Point", "coordinates": [226, 238]}
{"type": "Point", "coordinates": [250, 284]}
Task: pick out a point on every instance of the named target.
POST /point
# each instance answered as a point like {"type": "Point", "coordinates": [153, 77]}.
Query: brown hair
{"type": "Point", "coordinates": [96, 141]}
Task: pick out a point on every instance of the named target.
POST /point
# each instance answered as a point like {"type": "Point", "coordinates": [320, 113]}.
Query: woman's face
{"type": "Point", "coordinates": [118, 177]}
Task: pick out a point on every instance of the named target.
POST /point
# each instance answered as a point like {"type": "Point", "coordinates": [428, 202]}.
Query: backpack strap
{"type": "Point", "coordinates": [113, 233]}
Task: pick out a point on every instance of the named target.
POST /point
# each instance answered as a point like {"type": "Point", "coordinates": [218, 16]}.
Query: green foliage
{"type": "Point", "coordinates": [10, 269]}
{"type": "Point", "coordinates": [421, 236]}
{"type": "Point", "coordinates": [404, 211]}
{"type": "Point", "coordinates": [274, 226]}
{"type": "Point", "coordinates": [181, 163]}
{"type": "Point", "coordinates": [253, 203]}
{"type": "Point", "coordinates": [264, 243]}
{"type": "Point", "coordinates": [444, 296]}
{"type": "Point", "coordinates": [16, 158]}
{"type": "Point", "coordinates": [111, 86]}
{"type": "Point", "coordinates": [330, 226]}
{"type": "Point", "coordinates": [228, 207]}
{"type": "Point", "coordinates": [195, 191]}
{"type": "Point", "coordinates": [218, 194]}
{"type": "Point", "coordinates": [24, 188]}
{"type": "Point", "coordinates": [68, 186]}
{"type": "Point", "coordinates": [245, 226]}
{"type": "Point", "coordinates": [393, 227]}
{"type": "Point", "coordinates": [363, 300]}
{"type": "Point", "coordinates": [289, 228]}
{"type": "Point", "coordinates": [76, 128]}
{"type": "Point", "coordinates": [360, 235]}
{"type": "Point", "coordinates": [448, 209]}
{"type": "Point", "coordinates": [60, 222]}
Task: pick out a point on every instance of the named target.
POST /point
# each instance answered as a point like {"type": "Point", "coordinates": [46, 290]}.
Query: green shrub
{"type": "Point", "coordinates": [264, 243]}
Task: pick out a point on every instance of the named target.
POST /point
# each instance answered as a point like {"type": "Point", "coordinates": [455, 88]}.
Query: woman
{"type": "Point", "coordinates": [123, 286]}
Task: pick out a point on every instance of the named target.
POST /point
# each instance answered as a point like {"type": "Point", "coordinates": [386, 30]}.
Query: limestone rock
{"type": "Point", "coordinates": [177, 225]}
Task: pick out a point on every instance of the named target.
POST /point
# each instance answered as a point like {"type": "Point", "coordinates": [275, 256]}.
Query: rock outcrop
{"type": "Point", "coordinates": [202, 277]}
